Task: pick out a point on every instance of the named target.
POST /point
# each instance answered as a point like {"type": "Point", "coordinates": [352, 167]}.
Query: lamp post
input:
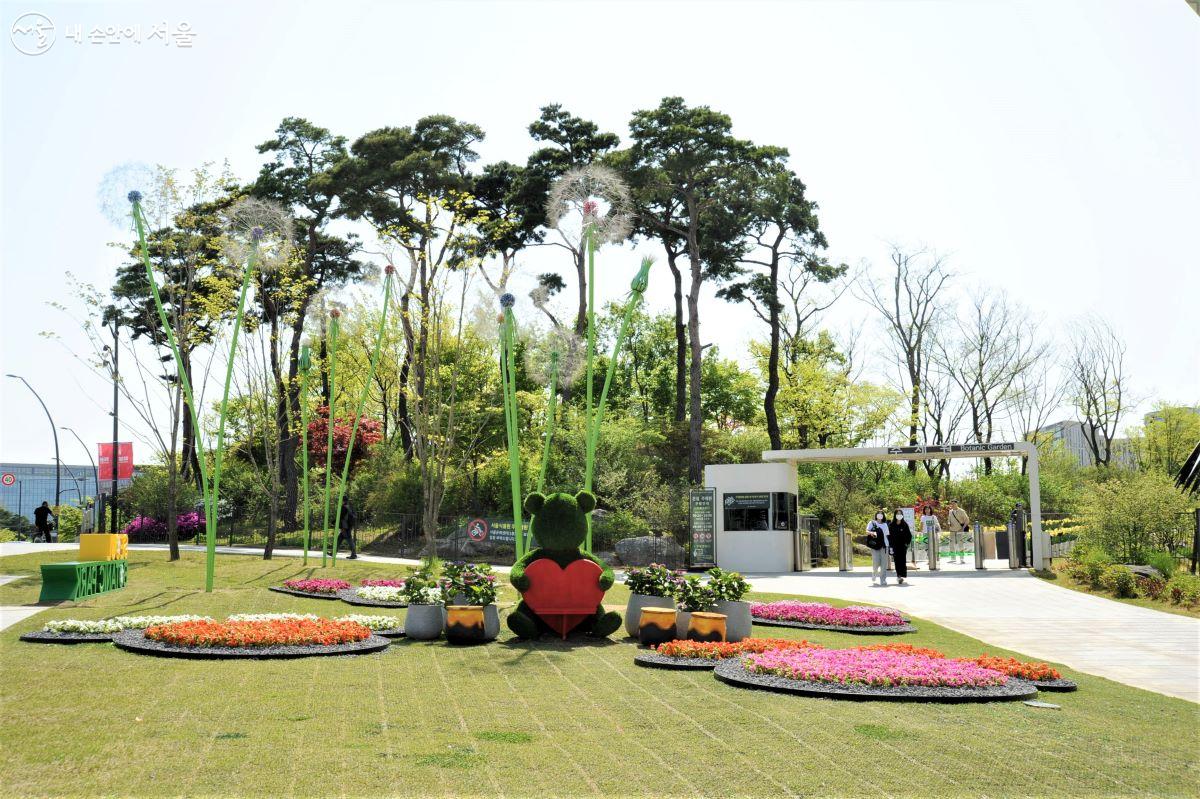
{"type": "Point", "coordinates": [54, 430]}
{"type": "Point", "coordinates": [95, 474]}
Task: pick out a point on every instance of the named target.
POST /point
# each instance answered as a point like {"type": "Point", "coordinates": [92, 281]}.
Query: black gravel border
{"type": "Point", "coordinates": [907, 627]}
{"type": "Point", "coordinates": [279, 589]}
{"type": "Point", "coordinates": [653, 660]}
{"type": "Point", "coordinates": [394, 632]}
{"type": "Point", "coordinates": [135, 641]}
{"type": "Point", "coordinates": [47, 637]}
{"type": "Point", "coordinates": [732, 671]}
{"type": "Point", "coordinates": [1059, 685]}
{"type": "Point", "coordinates": [348, 596]}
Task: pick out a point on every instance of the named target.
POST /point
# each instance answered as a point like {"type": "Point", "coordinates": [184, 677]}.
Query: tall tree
{"type": "Point", "coordinates": [303, 176]}
{"type": "Point", "coordinates": [908, 302]}
{"type": "Point", "coordinates": [1099, 385]}
{"type": "Point", "coordinates": [787, 244]}
{"type": "Point", "coordinates": [691, 158]}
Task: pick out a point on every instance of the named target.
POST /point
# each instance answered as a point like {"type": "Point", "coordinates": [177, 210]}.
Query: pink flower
{"type": "Point", "coordinates": [821, 613]}
{"type": "Point", "coordinates": [871, 667]}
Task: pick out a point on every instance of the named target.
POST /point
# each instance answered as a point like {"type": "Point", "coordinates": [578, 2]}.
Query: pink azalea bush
{"type": "Point", "coordinates": [383, 583]}
{"type": "Point", "coordinates": [881, 668]}
{"type": "Point", "coordinates": [147, 527]}
{"type": "Point", "coordinates": [320, 586]}
{"type": "Point", "coordinates": [821, 613]}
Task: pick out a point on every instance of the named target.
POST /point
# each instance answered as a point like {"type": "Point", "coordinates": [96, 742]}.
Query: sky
{"type": "Point", "coordinates": [1045, 147]}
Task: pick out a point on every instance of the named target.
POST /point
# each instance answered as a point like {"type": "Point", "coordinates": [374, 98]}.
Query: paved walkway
{"type": "Point", "coordinates": [1011, 609]}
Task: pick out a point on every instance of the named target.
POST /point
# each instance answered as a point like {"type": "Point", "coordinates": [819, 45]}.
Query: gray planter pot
{"type": "Point", "coordinates": [426, 622]}
{"type": "Point", "coordinates": [633, 610]}
{"type": "Point", "coordinates": [682, 619]}
{"type": "Point", "coordinates": [738, 623]}
{"type": "Point", "coordinates": [491, 622]}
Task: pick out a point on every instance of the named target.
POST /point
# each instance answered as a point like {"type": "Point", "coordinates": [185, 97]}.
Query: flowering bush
{"type": "Point", "coordinates": [318, 586]}
{"type": "Point", "coordinates": [375, 623]}
{"type": "Point", "coordinates": [274, 632]}
{"type": "Point", "coordinates": [370, 433]}
{"type": "Point", "coordinates": [94, 626]}
{"type": "Point", "coordinates": [720, 650]}
{"type": "Point", "coordinates": [871, 667]}
{"type": "Point", "coordinates": [821, 613]}
{"type": "Point", "coordinates": [380, 593]}
{"type": "Point", "coordinates": [729, 586]}
{"type": "Point", "coordinates": [382, 583]}
{"type": "Point", "coordinates": [270, 616]}
{"type": "Point", "coordinates": [475, 581]}
{"type": "Point", "coordinates": [1150, 587]}
{"type": "Point", "coordinates": [187, 525]}
{"type": "Point", "coordinates": [691, 595]}
{"type": "Point", "coordinates": [1015, 668]}
{"type": "Point", "coordinates": [653, 580]}
{"type": "Point", "coordinates": [425, 596]}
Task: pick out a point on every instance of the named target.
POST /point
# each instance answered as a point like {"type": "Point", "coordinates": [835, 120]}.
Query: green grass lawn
{"type": "Point", "coordinates": [521, 719]}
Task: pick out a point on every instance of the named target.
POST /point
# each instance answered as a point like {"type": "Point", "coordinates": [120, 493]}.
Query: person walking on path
{"type": "Point", "coordinates": [932, 529]}
{"type": "Point", "coordinates": [959, 523]}
{"type": "Point", "coordinates": [347, 529]}
{"type": "Point", "coordinates": [877, 542]}
{"type": "Point", "coordinates": [899, 537]}
{"type": "Point", "coordinates": [41, 520]}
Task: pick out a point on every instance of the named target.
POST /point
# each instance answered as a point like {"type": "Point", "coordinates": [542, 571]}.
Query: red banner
{"type": "Point", "coordinates": [124, 460]}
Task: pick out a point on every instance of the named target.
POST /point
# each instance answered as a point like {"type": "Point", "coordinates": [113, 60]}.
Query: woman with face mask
{"type": "Point", "coordinates": [899, 537]}
{"type": "Point", "coordinates": [877, 542]}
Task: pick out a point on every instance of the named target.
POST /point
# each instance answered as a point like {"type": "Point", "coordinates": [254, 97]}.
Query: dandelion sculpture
{"type": "Point", "coordinates": [508, 382]}
{"type": "Point", "coordinates": [388, 271]}
{"type": "Point", "coordinates": [331, 353]}
{"type": "Point", "coordinates": [251, 226]}
{"type": "Point", "coordinates": [556, 360]}
{"type": "Point", "coordinates": [305, 368]}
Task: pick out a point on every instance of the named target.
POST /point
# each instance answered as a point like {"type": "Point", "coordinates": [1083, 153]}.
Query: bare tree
{"type": "Point", "coordinates": [1098, 384]}
{"type": "Point", "coordinates": [1037, 394]}
{"type": "Point", "coordinates": [908, 302]}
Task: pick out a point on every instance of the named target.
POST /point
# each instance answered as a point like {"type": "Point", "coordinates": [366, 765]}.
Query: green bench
{"type": "Point", "coordinates": [79, 579]}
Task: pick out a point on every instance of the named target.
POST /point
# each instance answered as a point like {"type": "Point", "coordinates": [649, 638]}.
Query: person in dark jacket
{"type": "Point", "coordinates": [346, 533]}
{"type": "Point", "coordinates": [877, 542]}
{"type": "Point", "coordinates": [41, 520]}
{"type": "Point", "coordinates": [900, 536]}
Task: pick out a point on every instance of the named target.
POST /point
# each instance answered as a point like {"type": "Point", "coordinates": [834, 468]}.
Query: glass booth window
{"type": "Point", "coordinates": [737, 519]}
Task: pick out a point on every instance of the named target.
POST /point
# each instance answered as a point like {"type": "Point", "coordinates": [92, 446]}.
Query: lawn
{"type": "Point", "coordinates": [521, 719]}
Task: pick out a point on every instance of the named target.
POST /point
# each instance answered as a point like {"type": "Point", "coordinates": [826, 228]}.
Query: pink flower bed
{"type": "Point", "coordinates": [383, 583]}
{"type": "Point", "coordinates": [871, 667]}
{"type": "Point", "coordinates": [821, 613]}
{"type": "Point", "coordinates": [316, 586]}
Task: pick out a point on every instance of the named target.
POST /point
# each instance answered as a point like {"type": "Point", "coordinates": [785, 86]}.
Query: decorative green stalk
{"type": "Point", "coordinates": [589, 462]}
{"type": "Point", "coordinates": [220, 453]}
{"type": "Point", "coordinates": [362, 402]}
{"type": "Point", "coordinates": [551, 408]}
{"type": "Point", "coordinates": [509, 379]}
{"type": "Point", "coordinates": [135, 200]}
{"type": "Point", "coordinates": [305, 366]}
{"type": "Point", "coordinates": [333, 334]}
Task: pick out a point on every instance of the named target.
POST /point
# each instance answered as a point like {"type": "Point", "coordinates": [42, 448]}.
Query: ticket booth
{"type": "Point", "coordinates": [756, 517]}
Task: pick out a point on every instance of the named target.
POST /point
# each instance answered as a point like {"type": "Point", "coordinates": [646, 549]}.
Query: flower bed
{"type": "Point", "coordinates": [381, 593]}
{"type": "Point", "coordinates": [1033, 671]}
{"type": "Point", "coordinates": [271, 616]}
{"type": "Point", "coordinates": [382, 583]}
{"type": "Point", "coordinates": [318, 586]}
{"type": "Point", "coordinates": [904, 649]}
{"type": "Point", "coordinates": [819, 613]}
{"type": "Point", "coordinates": [84, 631]}
{"type": "Point", "coordinates": [273, 632]}
{"type": "Point", "coordinates": [880, 668]}
{"type": "Point", "coordinates": [387, 626]}
{"type": "Point", "coordinates": [684, 654]}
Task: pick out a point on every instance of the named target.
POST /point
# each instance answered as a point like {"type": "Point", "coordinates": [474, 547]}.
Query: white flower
{"type": "Point", "coordinates": [426, 596]}
{"type": "Point", "coordinates": [251, 220]}
{"type": "Point", "coordinates": [381, 593]}
{"type": "Point", "coordinates": [373, 622]}
{"type": "Point", "coordinates": [89, 626]}
{"type": "Point", "coordinates": [272, 616]}
{"type": "Point", "coordinates": [142, 622]}
{"type": "Point", "coordinates": [590, 195]}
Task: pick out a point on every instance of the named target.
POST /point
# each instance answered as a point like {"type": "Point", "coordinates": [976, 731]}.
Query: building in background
{"type": "Point", "coordinates": [33, 484]}
{"type": "Point", "coordinates": [1073, 436]}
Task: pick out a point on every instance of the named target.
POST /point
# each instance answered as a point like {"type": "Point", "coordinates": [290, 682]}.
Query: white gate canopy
{"type": "Point", "coordinates": [1023, 449]}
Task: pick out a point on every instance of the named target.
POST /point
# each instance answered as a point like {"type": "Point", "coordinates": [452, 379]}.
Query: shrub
{"type": "Point", "coordinates": [1184, 589]}
{"type": "Point", "coordinates": [1134, 516]}
{"type": "Point", "coordinates": [653, 580]}
{"type": "Point", "coordinates": [70, 522]}
{"type": "Point", "coordinates": [691, 595]}
{"type": "Point", "coordinates": [729, 586]}
{"type": "Point", "coordinates": [1164, 563]}
{"type": "Point", "coordinates": [14, 521]}
{"type": "Point", "coordinates": [7, 535]}
{"type": "Point", "coordinates": [1094, 565]}
{"type": "Point", "coordinates": [1118, 579]}
{"type": "Point", "coordinates": [474, 581]}
{"type": "Point", "coordinates": [1150, 587]}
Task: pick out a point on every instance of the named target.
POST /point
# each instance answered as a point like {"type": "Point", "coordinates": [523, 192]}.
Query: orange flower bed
{"type": "Point", "coordinates": [275, 632]}
{"type": "Point", "coordinates": [1035, 671]}
{"type": "Point", "coordinates": [905, 649]}
{"type": "Point", "coordinates": [720, 650]}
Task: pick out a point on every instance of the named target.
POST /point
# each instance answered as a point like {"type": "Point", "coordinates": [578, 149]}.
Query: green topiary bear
{"type": "Point", "coordinates": [559, 524]}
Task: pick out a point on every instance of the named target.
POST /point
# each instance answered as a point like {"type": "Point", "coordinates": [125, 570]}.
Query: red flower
{"type": "Point", "coordinates": [275, 632]}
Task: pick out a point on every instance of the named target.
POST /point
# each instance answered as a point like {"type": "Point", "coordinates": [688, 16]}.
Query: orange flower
{"type": "Point", "coordinates": [273, 632]}
{"type": "Point", "coordinates": [720, 650]}
{"type": "Point", "coordinates": [1034, 670]}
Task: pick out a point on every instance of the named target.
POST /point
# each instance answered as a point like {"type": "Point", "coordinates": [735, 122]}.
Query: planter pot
{"type": "Point", "coordinates": [706, 627]}
{"type": "Point", "coordinates": [491, 622]}
{"type": "Point", "coordinates": [738, 622]}
{"type": "Point", "coordinates": [425, 622]}
{"type": "Point", "coordinates": [633, 610]}
{"type": "Point", "coordinates": [657, 626]}
{"type": "Point", "coordinates": [682, 619]}
{"type": "Point", "coordinates": [464, 624]}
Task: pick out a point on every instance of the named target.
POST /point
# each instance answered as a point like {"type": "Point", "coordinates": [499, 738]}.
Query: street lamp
{"type": "Point", "coordinates": [95, 474]}
{"type": "Point", "coordinates": [54, 430]}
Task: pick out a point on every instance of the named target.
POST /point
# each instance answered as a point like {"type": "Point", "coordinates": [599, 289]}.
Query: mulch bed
{"type": "Point", "coordinates": [348, 596]}
{"type": "Point", "coordinates": [1059, 685]}
{"type": "Point", "coordinates": [281, 590]}
{"type": "Point", "coordinates": [136, 641]}
{"type": "Point", "coordinates": [837, 628]}
{"type": "Point", "coordinates": [654, 660]}
{"type": "Point", "coordinates": [734, 673]}
{"type": "Point", "coordinates": [395, 632]}
{"type": "Point", "coordinates": [44, 637]}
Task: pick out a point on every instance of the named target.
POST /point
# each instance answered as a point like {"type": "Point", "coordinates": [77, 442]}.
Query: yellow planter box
{"type": "Point", "coordinates": [103, 546]}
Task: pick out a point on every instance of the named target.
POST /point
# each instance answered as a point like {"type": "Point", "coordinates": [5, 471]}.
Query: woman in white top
{"type": "Point", "coordinates": [877, 542]}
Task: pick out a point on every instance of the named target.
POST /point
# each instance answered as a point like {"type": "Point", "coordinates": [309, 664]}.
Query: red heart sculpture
{"type": "Point", "coordinates": [563, 597]}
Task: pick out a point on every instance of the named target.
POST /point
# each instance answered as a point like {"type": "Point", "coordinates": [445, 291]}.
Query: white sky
{"type": "Point", "coordinates": [1048, 147]}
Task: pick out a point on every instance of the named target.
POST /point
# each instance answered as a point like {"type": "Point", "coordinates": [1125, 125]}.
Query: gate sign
{"type": "Point", "coordinates": [7, 479]}
{"type": "Point", "coordinates": [124, 460]}
{"type": "Point", "coordinates": [701, 515]}
{"type": "Point", "coordinates": [497, 531]}
{"type": "Point", "coordinates": [932, 449]}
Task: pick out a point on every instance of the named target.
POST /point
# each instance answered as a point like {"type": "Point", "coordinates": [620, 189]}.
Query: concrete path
{"type": "Point", "coordinates": [1137, 646]}
{"type": "Point", "coordinates": [1011, 609]}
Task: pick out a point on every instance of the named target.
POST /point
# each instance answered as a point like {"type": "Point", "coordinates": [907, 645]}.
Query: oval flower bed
{"type": "Point", "coordinates": [272, 637]}
{"type": "Point", "coordinates": [684, 654]}
{"type": "Point", "coordinates": [1043, 675]}
{"type": "Point", "coordinates": [387, 626]}
{"type": "Point", "coordinates": [375, 595]}
{"type": "Point", "coordinates": [94, 631]}
{"type": "Point", "coordinates": [822, 616]}
{"type": "Point", "coordinates": [382, 583]}
{"type": "Point", "coordinates": [871, 674]}
{"type": "Point", "coordinates": [319, 588]}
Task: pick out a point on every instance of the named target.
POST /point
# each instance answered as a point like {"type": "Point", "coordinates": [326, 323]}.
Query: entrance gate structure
{"type": "Point", "coordinates": [1021, 449]}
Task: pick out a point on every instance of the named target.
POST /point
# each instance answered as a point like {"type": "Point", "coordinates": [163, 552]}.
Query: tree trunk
{"type": "Point", "coordinates": [696, 422]}
{"type": "Point", "coordinates": [773, 362]}
{"type": "Point", "coordinates": [681, 342]}
{"type": "Point", "coordinates": [914, 408]}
